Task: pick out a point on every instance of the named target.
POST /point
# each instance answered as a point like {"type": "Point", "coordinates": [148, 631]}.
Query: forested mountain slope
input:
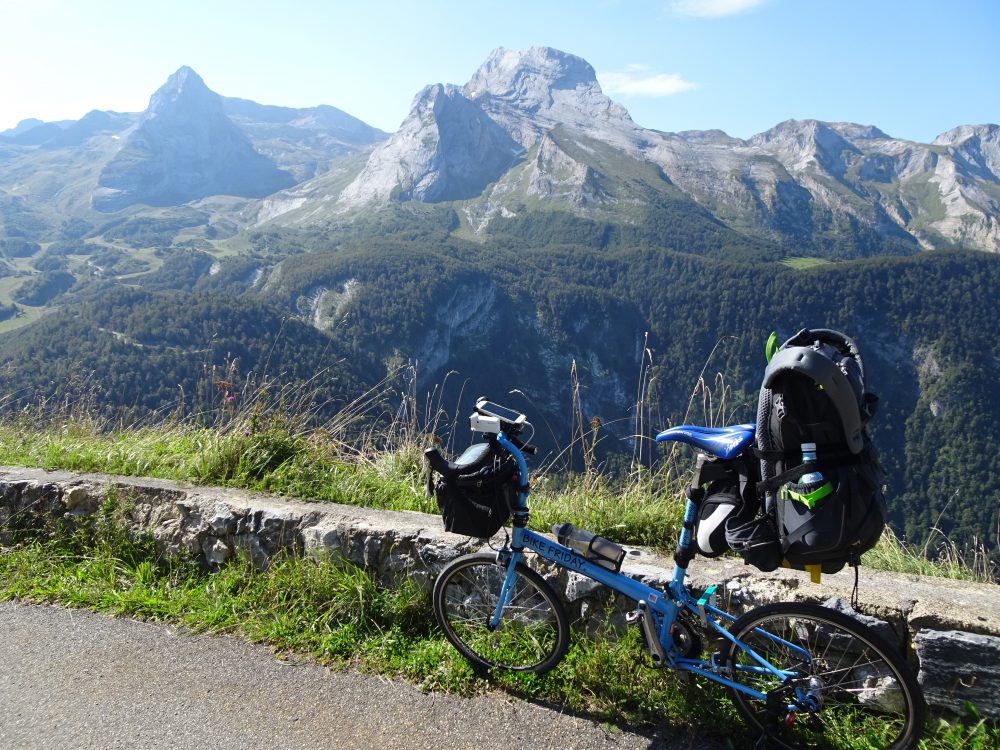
{"type": "Point", "coordinates": [131, 352]}
{"type": "Point", "coordinates": [505, 317]}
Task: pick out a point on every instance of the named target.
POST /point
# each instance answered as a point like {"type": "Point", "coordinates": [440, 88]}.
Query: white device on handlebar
{"type": "Point", "coordinates": [482, 423]}
{"type": "Point", "coordinates": [491, 409]}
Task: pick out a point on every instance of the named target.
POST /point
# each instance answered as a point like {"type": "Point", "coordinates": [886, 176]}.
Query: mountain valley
{"type": "Point", "coordinates": [518, 232]}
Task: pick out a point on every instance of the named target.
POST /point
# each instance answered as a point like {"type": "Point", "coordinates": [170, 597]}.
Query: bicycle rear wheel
{"type": "Point", "coordinates": [842, 686]}
{"type": "Point", "coordinates": [533, 633]}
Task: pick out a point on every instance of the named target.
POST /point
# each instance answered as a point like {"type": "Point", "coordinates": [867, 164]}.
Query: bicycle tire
{"type": "Point", "coordinates": [864, 690]}
{"type": "Point", "coordinates": [533, 634]}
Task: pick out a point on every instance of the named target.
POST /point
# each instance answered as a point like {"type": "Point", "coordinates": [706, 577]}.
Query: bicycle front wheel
{"type": "Point", "coordinates": [533, 633]}
{"type": "Point", "coordinates": [842, 685]}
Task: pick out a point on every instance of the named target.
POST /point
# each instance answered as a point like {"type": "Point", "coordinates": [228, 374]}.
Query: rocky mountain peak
{"type": "Point", "coordinates": [183, 78]}
{"type": "Point", "coordinates": [805, 144]}
{"type": "Point", "coordinates": [446, 149]}
{"type": "Point", "coordinates": [963, 133]}
{"type": "Point", "coordinates": [22, 127]}
{"type": "Point", "coordinates": [184, 148]}
{"type": "Point", "coordinates": [432, 100]}
{"type": "Point", "coordinates": [184, 91]}
{"type": "Point", "coordinates": [853, 131]}
{"type": "Point", "coordinates": [455, 141]}
{"type": "Point", "coordinates": [978, 146]}
{"type": "Point", "coordinates": [530, 91]}
{"type": "Point", "coordinates": [800, 132]}
{"type": "Point", "coordinates": [529, 75]}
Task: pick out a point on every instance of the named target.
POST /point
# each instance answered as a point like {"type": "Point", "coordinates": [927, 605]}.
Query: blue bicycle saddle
{"type": "Point", "coordinates": [724, 442]}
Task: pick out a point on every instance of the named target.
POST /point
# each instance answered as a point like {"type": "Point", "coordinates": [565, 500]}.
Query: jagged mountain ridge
{"type": "Point", "coordinates": [524, 96]}
{"type": "Point", "coordinates": [799, 182]}
{"type": "Point", "coordinates": [190, 143]}
{"type": "Point", "coordinates": [65, 133]}
{"type": "Point", "coordinates": [530, 131]}
{"type": "Point", "coordinates": [304, 142]}
{"type": "Point", "coordinates": [528, 93]}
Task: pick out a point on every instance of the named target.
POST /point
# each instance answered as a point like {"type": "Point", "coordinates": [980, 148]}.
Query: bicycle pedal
{"type": "Point", "coordinates": [719, 666]}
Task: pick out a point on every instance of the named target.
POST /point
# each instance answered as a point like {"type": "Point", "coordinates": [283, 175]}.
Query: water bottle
{"type": "Point", "coordinates": [595, 548]}
{"type": "Point", "coordinates": [811, 486]}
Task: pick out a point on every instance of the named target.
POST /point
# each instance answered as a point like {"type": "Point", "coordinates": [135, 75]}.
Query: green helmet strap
{"type": "Point", "coordinates": [771, 346]}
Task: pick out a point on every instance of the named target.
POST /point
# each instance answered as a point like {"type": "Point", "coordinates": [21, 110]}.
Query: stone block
{"type": "Point", "coordinates": [9, 493]}
{"type": "Point", "coordinates": [217, 553]}
{"type": "Point", "coordinates": [880, 627]}
{"type": "Point", "coordinates": [580, 587]}
{"type": "Point", "coordinates": [322, 539]}
{"type": "Point", "coordinates": [278, 529]}
{"type": "Point", "coordinates": [41, 498]}
{"type": "Point", "coordinates": [956, 667]}
{"type": "Point", "coordinates": [223, 521]}
{"type": "Point", "coordinates": [77, 498]}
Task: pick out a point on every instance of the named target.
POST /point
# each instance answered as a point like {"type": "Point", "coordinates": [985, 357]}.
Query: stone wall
{"type": "Point", "coordinates": [950, 629]}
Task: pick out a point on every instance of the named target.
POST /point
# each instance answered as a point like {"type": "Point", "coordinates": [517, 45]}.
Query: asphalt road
{"type": "Point", "coordinates": [78, 680]}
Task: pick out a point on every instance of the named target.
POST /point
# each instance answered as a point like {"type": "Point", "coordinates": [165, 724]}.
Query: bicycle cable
{"type": "Point", "coordinates": [506, 541]}
{"type": "Point", "coordinates": [854, 593]}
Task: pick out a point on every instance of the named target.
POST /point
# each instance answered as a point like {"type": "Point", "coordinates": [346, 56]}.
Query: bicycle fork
{"type": "Point", "coordinates": [507, 560]}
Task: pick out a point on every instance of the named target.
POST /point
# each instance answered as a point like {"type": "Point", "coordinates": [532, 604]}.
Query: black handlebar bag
{"type": "Point", "coordinates": [476, 492]}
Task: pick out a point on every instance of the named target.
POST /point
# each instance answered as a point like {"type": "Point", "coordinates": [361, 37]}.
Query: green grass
{"type": "Point", "coordinates": [8, 284]}
{"type": "Point", "coordinates": [277, 458]}
{"type": "Point", "coordinates": [923, 198]}
{"type": "Point", "coordinates": [800, 263]}
{"type": "Point", "coordinates": [28, 315]}
{"type": "Point", "coordinates": [268, 452]}
{"type": "Point", "coordinates": [339, 615]}
{"type": "Point", "coordinates": [943, 559]}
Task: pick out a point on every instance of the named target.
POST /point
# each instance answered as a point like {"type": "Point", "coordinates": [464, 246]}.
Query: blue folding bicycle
{"type": "Point", "coordinates": [800, 674]}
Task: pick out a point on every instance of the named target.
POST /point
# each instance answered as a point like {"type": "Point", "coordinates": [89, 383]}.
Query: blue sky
{"type": "Point", "coordinates": [913, 68]}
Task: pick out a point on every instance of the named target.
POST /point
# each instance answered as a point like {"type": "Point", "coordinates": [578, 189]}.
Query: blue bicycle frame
{"type": "Point", "coordinates": [662, 607]}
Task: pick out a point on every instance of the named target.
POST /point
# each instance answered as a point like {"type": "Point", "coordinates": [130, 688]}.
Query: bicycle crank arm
{"type": "Point", "coordinates": [645, 621]}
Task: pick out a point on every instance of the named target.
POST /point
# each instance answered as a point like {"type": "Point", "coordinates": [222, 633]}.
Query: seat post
{"type": "Point", "coordinates": [685, 551]}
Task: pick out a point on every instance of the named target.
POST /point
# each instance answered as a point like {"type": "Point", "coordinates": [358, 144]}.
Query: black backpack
{"type": "Point", "coordinates": [814, 392]}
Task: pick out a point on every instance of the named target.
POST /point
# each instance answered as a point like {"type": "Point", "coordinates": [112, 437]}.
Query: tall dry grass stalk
{"type": "Point", "coordinates": [938, 556]}
{"type": "Point", "coordinates": [709, 405]}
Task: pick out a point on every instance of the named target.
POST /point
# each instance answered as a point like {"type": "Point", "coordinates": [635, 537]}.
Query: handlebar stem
{"type": "Point", "coordinates": [521, 511]}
